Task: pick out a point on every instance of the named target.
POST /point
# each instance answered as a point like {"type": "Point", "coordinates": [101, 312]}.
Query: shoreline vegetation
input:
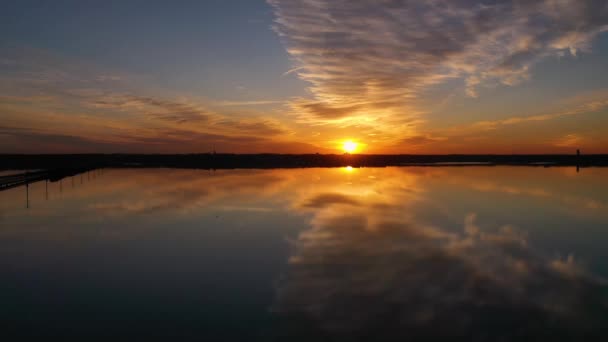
{"type": "Point", "coordinates": [269, 160]}
{"type": "Point", "coordinates": [55, 167]}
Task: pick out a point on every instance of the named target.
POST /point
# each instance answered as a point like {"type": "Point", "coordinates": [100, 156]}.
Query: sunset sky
{"type": "Point", "coordinates": [287, 76]}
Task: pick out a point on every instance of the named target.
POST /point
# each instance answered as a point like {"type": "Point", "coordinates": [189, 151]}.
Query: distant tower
{"type": "Point", "coordinates": [578, 153]}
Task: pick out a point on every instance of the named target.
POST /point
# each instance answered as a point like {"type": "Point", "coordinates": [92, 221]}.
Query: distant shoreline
{"type": "Point", "coordinates": [267, 160]}
{"type": "Point", "coordinates": [55, 167]}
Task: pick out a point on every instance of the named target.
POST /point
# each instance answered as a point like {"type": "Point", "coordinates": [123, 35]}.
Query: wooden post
{"type": "Point", "coordinates": [27, 191]}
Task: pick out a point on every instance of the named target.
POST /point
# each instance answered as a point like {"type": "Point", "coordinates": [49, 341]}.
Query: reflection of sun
{"type": "Point", "coordinates": [349, 146]}
{"type": "Point", "coordinates": [348, 169]}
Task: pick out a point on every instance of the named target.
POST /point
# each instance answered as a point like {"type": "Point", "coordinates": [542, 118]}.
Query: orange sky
{"type": "Point", "coordinates": [304, 77]}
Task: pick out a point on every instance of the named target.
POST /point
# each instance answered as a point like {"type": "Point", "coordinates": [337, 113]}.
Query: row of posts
{"type": "Point", "coordinates": [46, 185]}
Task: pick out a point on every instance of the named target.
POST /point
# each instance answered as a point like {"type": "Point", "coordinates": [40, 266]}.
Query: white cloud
{"type": "Point", "coordinates": [372, 57]}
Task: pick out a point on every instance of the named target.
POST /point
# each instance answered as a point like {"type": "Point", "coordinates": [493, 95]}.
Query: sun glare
{"type": "Point", "coordinates": [349, 146]}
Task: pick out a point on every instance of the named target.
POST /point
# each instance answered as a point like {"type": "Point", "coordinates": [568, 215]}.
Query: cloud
{"type": "Point", "coordinates": [320, 109]}
{"type": "Point", "coordinates": [26, 99]}
{"type": "Point", "coordinates": [358, 54]}
{"type": "Point", "coordinates": [154, 107]}
{"type": "Point", "coordinates": [43, 71]}
{"type": "Point", "coordinates": [589, 107]}
{"type": "Point", "coordinates": [418, 140]}
{"type": "Point", "coordinates": [27, 140]}
{"type": "Point", "coordinates": [252, 126]}
{"type": "Point", "coordinates": [291, 71]}
{"type": "Point", "coordinates": [108, 110]}
{"type": "Point", "coordinates": [14, 139]}
{"type": "Point", "coordinates": [108, 78]}
{"type": "Point", "coordinates": [182, 112]}
{"type": "Point", "coordinates": [570, 140]}
{"type": "Point", "coordinates": [247, 103]}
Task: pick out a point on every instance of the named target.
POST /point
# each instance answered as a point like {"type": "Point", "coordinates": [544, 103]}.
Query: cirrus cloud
{"type": "Point", "coordinates": [373, 57]}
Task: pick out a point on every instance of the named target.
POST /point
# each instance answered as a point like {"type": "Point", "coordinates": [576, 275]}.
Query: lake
{"type": "Point", "coordinates": [334, 254]}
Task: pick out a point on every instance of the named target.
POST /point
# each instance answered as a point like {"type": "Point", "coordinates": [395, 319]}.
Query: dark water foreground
{"type": "Point", "coordinates": [316, 254]}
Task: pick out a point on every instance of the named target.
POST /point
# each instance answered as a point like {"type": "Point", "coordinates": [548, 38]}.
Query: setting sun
{"type": "Point", "coordinates": [350, 146]}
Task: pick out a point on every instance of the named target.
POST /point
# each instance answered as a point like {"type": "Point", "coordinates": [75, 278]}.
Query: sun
{"type": "Point", "coordinates": [350, 146]}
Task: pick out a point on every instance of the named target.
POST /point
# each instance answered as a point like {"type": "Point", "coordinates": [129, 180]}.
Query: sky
{"type": "Point", "coordinates": [287, 76]}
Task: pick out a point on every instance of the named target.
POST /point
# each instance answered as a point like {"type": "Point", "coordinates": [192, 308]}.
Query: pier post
{"type": "Point", "coordinates": [27, 191]}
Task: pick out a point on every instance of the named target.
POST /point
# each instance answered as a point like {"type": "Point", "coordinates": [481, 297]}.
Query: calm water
{"type": "Point", "coordinates": [308, 254]}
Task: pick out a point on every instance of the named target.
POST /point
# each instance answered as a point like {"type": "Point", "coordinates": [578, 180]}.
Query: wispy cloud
{"type": "Point", "coordinates": [292, 70]}
{"type": "Point", "coordinates": [187, 112]}
{"type": "Point", "coordinates": [418, 140]}
{"type": "Point", "coordinates": [152, 106]}
{"type": "Point", "coordinates": [247, 103]}
{"type": "Point", "coordinates": [589, 107]}
{"type": "Point", "coordinates": [29, 140]}
{"type": "Point", "coordinates": [371, 58]}
{"type": "Point", "coordinates": [71, 106]}
{"type": "Point", "coordinates": [570, 140]}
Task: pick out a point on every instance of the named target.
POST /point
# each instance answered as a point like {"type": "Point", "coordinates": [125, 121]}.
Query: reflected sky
{"type": "Point", "coordinates": [335, 254]}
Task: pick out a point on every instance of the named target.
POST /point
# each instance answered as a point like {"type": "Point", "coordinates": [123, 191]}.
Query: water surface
{"type": "Point", "coordinates": [307, 254]}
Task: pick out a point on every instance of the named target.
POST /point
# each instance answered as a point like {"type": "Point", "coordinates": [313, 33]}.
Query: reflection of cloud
{"type": "Point", "coordinates": [578, 202]}
{"type": "Point", "coordinates": [184, 190]}
{"type": "Point", "coordinates": [375, 273]}
{"type": "Point", "coordinates": [323, 200]}
{"type": "Point", "coordinates": [369, 267]}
